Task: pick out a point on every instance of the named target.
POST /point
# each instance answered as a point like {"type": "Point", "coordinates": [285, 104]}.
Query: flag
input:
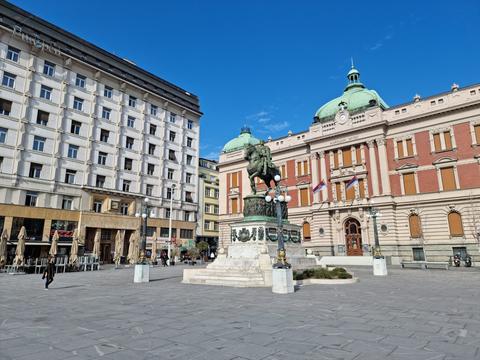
{"type": "Point", "coordinates": [319, 187]}
{"type": "Point", "coordinates": [353, 181]}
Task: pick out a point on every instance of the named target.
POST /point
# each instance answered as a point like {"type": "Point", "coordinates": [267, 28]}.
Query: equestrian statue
{"type": "Point", "coordinates": [260, 165]}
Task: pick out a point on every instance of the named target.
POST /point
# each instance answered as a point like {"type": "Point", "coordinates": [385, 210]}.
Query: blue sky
{"type": "Point", "coordinates": [271, 64]}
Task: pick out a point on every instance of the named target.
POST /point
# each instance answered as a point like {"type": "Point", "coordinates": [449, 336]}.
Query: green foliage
{"type": "Point", "coordinates": [202, 246]}
{"type": "Point", "coordinates": [193, 253]}
{"type": "Point", "coordinates": [321, 273]}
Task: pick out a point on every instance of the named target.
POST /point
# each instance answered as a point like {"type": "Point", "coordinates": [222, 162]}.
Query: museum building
{"type": "Point", "coordinates": [417, 164]}
{"type": "Point", "coordinates": [85, 137]}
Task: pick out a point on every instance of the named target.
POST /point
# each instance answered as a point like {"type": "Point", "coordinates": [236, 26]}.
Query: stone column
{"type": "Point", "coordinates": [323, 174]}
{"type": "Point", "coordinates": [373, 167]}
{"type": "Point", "coordinates": [382, 155]}
{"type": "Point", "coordinates": [315, 176]}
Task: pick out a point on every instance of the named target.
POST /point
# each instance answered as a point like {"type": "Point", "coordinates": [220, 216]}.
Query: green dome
{"type": "Point", "coordinates": [241, 141]}
{"type": "Point", "coordinates": [355, 97]}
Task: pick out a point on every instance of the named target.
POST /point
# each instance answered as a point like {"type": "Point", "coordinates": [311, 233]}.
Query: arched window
{"type": "Point", "coordinates": [455, 224]}
{"type": "Point", "coordinates": [306, 231]}
{"type": "Point", "coordinates": [415, 226]}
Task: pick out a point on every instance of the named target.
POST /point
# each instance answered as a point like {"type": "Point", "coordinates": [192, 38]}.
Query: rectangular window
{"type": "Point", "coordinates": [5, 107]}
{"type": "Point", "coordinates": [167, 216]}
{"type": "Point", "coordinates": [188, 178]}
{"type": "Point", "coordinates": [126, 185]}
{"type": "Point", "coordinates": [124, 208]}
{"type": "Point", "coordinates": [100, 181]}
{"type": "Point", "coordinates": [151, 149]}
{"type": "Point", "coordinates": [108, 92]}
{"type": "Point", "coordinates": [35, 170]}
{"type": "Point", "coordinates": [448, 140]}
{"type": "Point", "coordinates": [306, 169]}
{"type": "Point", "coordinates": [149, 190]}
{"type": "Point", "coordinates": [216, 193]}
{"type": "Point", "coordinates": [338, 191]}
{"type": "Point", "coordinates": [186, 234]}
{"type": "Point", "coordinates": [131, 121]}
{"type": "Point", "coordinates": [409, 184]}
{"type": "Point", "coordinates": [78, 103]}
{"type": "Point", "coordinates": [102, 158]}
{"type": "Point", "coordinates": [304, 197]}
{"type": "Point", "coordinates": [31, 198]}
{"type": "Point", "coordinates": [347, 157]}
{"type": "Point", "coordinates": [67, 202]}
{"type": "Point", "coordinates": [3, 135]}
{"type": "Point", "coordinates": [171, 155]}
{"type": "Point", "coordinates": [80, 80]}
{"type": "Point", "coordinates": [172, 135]}
{"type": "Point", "coordinates": [215, 209]}
{"type": "Point", "coordinates": [153, 110]}
{"type": "Point", "coordinates": [350, 192]}
{"type": "Point", "coordinates": [437, 142]}
{"type": "Point", "coordinates": [361, 188]}
{"type": "Point", "coordinates": [132, 101]}
{"type": "Point", "coordinates": [186, 216]}
{"type": "Point", "coordinates": [150, 169]}
{"type": "Point", "coordinates": [401, 153]}
{"type": "Point", "coordinates": [418, 254]}
{"type": "Point", "coordinates": [207, 208]}
{"type": "Point", "coordinates": [8, 80]}
{"type": "Point", "coordinates": [13, 54]}
{"type": "Point", "coordinates": [302, 168]}
{"type": "Point", "coordinates": [215, 226]}
{"type": "Point", "coordinates": [234, 177]}
{"type": "Point", "coordinates": [358, 155]}
{"type": "Point", "coordinates": [97, 206]}
{"type": "Point", "coordinates": [75, 127]}
{"type": "Point", "coordinates": [42, 117]}
{"type": "Point", "coordinates": [207, 192]}
{"type": "Point", "coordinates": [70, 176]}
{"type": "Point", "coordinates": [189, 142]}
{"type": "Point", "coordinates": [38, 143]}
{"type": "Point", "coordinates": [477, 133]}
{"type": "Point", "coordinates": [72, 151]}
{"type": "Point", "coordinates": [172, 118]}
{"type": "Point", "coordinates": [46, 92]}
{"type": "Point", "coordinates": [153, 129]}
{"type": "Point", "coordinates": [104, 135]}
{"type": "Point", "coordinates": [335, 159]}
{"type": "Point", "coordinates": [169, 193]}
{"type": "Point", "coordinates": [206, 225]}
{"type": "Point", "coordinates": [283, 171]}
{"type": "Point", "coordinates": [48, 68]}
{"type": "Point", "coordinates": [448, 179]}
{"type": "Point", "coordinates": [189, 159]}
{"type": "Point", "coordinates": [188, 196]}
{"type": "Point", "coordinates": [129, 142]}
{"type": "Point", "coordinates": [234, 207]}
{"type": "Point", "coordinates": [128, 164]}
{"type": "Point", "coordinates": [170, 174]}
{"type": "Point", "coordinates": [190, 124]}
{"type": "Point", "coordinates": [106, 113]}
{"type": "Point", "coordinates": [409, 143]}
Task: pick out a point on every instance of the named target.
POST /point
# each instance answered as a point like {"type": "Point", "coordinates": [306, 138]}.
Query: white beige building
{"type": "Point", "coordinates": [417, 163]}
{"type": "Point", "coordinates": [208, 207]}
{"type": "Point", "coordinates": [85, 136]}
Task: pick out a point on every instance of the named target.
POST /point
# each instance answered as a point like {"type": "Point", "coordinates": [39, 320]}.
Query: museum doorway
{"type": "Point", "coordinates": [353, 237]}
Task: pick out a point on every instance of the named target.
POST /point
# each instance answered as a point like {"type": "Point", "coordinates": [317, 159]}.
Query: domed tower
{"type": "Point", "coordinates": [241, 141]}
{"type": "Point", "coordinates": [356, 97]}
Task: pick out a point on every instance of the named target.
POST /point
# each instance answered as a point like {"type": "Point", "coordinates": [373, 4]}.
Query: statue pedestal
{"type": "Point", "coordinates": [380, 267]}
{"type": "Point", "coordinates": [282, 281]}
{"type": "Point", "coordinates": [142, 273]}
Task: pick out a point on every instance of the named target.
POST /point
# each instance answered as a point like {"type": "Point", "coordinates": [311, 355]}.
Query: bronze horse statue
{"type": "Point", "coordinates": [260, 165]}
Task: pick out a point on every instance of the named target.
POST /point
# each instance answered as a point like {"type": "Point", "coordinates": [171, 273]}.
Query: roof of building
{"type": "Point", "coordinates": [241, 141]}
{"type": "Point", "coordinates": [354, 98]}
{"type": "Point", "coordinates": [47, 34]}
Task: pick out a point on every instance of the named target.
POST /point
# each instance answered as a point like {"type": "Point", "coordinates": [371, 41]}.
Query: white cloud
{"type": "Point", "coordinates": [275, 127]}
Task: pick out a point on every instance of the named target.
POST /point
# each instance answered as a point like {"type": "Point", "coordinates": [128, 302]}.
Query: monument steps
{"type": "Point", "coordinates": [226, 277]}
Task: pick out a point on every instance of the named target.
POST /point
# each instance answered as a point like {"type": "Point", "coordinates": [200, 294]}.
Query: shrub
{"type": "Point", "coordinates": [322, 273]}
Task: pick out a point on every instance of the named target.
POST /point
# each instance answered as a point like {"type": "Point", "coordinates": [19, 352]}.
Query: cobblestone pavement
{"type": "Point", "coordinates": [411, 314]}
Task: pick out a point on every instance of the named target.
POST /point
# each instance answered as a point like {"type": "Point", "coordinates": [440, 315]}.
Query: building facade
{"type": "Point", "coordinates": [418, 164]}
{"type": "Point", "coordinates": [208, 204]}
{"type": "Point", "coordinates": [85, 136]}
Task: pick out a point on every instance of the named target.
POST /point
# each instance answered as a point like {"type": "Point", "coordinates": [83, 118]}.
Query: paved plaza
{"type": "Point", "coordinates": [411, 314]}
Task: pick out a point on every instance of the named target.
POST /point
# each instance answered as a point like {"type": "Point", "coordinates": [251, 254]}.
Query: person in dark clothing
{"type": "Point", "coordinates": [49, 272]}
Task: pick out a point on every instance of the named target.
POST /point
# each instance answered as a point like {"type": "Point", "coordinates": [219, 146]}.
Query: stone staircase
{"type": "Point", "coordinates": [224, 277]}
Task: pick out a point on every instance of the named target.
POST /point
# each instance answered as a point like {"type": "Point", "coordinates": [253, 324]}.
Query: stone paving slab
{"type": "Point", "coordinates": [410, 314]}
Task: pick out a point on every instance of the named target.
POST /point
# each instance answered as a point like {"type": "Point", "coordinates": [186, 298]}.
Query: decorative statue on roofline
{"type": "Point", "coordinates": [260, 165]}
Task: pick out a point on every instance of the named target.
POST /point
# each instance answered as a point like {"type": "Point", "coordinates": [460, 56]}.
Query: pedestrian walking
{"type": "Point", "coordinates": [49, 272]}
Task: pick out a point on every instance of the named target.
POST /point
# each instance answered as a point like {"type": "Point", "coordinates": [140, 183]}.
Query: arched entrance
{"type": "Point", "coordinates": [353, 237]}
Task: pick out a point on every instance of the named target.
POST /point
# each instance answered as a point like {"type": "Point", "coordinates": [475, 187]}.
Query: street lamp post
{"type": "Point", "coordinates": [170, 226]}
{"type": "Point", "coordinates": [142, 271]}
{"type": "Point", "coordinates": [379, 263]}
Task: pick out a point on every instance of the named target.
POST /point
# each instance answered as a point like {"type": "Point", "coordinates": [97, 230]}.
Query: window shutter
{"type": "Point", "coordinates": [304, 197]}
{"type": "Point", "coordinates": [335, 160]}
{"type": "Point", "coordinates": [400, 149]}
{"type": "Point", "coordinates": [305, 167]}
{"type": "Point", "coordinates": [436, 142]}
{"type": "Point", "coordinates": [477, 133]}
{"type": "Point", "coordinates": [409, 184]}
{"type": "Point", "coordinates": [358, 154]}
{"type": "Point", "coordinates": [448, 179]}
{"type": "Point", "coordinates": [349, 193]}
{"type": "Point", "coordinates": [338, 190]}
{"type": "Point", "coordinates": [299, 168]}
{"type": "Point", "coordinates": [306, 231]}
{"type": "Point", "coordinates": [409, 147]}
{"type": "Point", "coordinates": [347, 157]}
{"type": "Point", "coordinates": [361, 188]}
{"type": "Point", "coordinates": [283, 171]}
{"type": "Point", "coordinates": [234, 206]}
{"type": "Point", "coordinates": [448, 140]}
{"type": "Point", "coordinates": [455, 224]}
{"type": "Point", "coordinates": [415, 226]}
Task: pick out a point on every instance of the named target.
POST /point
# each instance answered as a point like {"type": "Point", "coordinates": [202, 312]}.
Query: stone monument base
{"type": "Point", "coordinates": [142, 273]}
{"type": "Point", "coordinates": [282, 281]}
{"type": "Point", "coordinates": [379, 267]}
